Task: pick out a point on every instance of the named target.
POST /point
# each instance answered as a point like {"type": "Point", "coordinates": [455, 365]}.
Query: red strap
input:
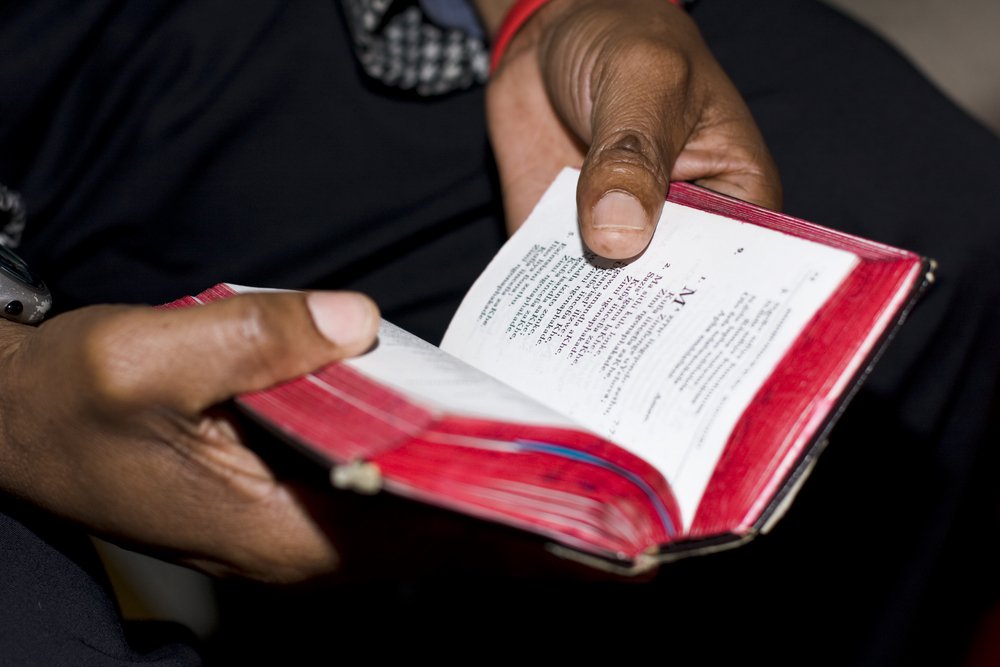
{"type": "Point", "coordinates": [512, 22]}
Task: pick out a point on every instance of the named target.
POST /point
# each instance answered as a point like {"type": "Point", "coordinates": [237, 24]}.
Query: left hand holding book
{"type": "Point", "coordinates": [109, 422]}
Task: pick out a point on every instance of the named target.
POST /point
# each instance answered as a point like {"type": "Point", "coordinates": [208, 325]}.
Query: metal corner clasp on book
{"type": "Point", "coordinates": [360, 476]}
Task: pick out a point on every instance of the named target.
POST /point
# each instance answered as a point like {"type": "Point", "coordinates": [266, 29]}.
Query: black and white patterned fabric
{"type": "Point", "coordinates": [401, 45]}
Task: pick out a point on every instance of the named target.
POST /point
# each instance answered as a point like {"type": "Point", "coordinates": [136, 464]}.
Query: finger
{"type": "Point", "coordinates": [661, 109]}
{"type": "Point", "coordinates": [620, 196]}
{"type": "Point", "coordinates": [638, 128]}
{"type": "Point", "coordinates": [255, 341]}
{"type": "Point", "coordinates": [192, 358]}
{"type": "Point", "coordinates": [641, 142]}
{"type": "Point", "coordinates": [732, 158]}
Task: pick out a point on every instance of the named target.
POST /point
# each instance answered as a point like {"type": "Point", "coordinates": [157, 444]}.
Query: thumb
{"type": "Point", "coordinates": [621, 192]}
{"type": "Point", "coordinates": [253, 341]}
{"type": "Point", "coordinates": [625, 175]}
{"type": "Point", "coordinates": [660, 108]}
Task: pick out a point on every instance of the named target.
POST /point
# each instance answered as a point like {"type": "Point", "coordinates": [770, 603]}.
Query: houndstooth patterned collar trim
{"type": "Point", "coordinates": [399, 46]}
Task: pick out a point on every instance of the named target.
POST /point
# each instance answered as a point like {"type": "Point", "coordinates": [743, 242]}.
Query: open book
{"type": "Point", "coordinates": [630, 412]}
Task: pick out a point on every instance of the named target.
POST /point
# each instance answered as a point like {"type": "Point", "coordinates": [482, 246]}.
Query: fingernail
{"type": "Point", "coordinates": [619, 210]}
{"type": "Point", "coordinates": [344, 318]}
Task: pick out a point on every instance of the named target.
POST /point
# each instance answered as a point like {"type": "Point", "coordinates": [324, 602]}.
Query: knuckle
{"type": "Point", "coordinates": [630, 153]}
{"type": "Point", "coordinates": [646, 122]}
{"type": "Point", "coordinates": [250, 327]}
{"type": "Point", "coordinates": [630, 160]}
{"type": "Point", "coordinates": [111, 357]}
{"type": "Point", "coordinates": [664, 68]}
{"type": "Point", "coordinates": [669, 64]}
{"type": "Point", "coordinates": [252, 334]}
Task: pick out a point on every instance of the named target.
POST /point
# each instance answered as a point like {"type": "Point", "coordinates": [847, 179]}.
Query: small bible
{"type": "Point", "coordinates": [630, 412]}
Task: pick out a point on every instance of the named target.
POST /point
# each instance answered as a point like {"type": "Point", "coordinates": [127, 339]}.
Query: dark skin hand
{"type": "Point", "coordinates": [116, 418]}
{"type": "Point", "coordinates": [108, 421]}
{"type": "Point", "coordinates": [627, 91]}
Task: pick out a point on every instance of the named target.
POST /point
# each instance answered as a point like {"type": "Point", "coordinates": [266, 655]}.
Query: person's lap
{"type": "Point", "coordinates": [865, 144]}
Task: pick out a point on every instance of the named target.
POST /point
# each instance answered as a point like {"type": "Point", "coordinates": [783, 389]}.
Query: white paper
{"type": "Point", "coordinates": [661, 355]}
{"type": "Point", "coordinates": [439, 381]}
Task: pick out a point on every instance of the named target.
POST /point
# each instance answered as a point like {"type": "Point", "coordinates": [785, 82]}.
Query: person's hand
{"type": "Point", "coordinates": [107, 420]}
{"type": "Point", "coordinates": [110, 417]}
{"type": "Point", "coordinates": [627, 91]}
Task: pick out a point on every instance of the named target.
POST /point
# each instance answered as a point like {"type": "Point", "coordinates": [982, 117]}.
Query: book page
{"type": "Point", "coordinates": [436, 380]}
{"type": "Point", "coordinates": [661, 354]}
